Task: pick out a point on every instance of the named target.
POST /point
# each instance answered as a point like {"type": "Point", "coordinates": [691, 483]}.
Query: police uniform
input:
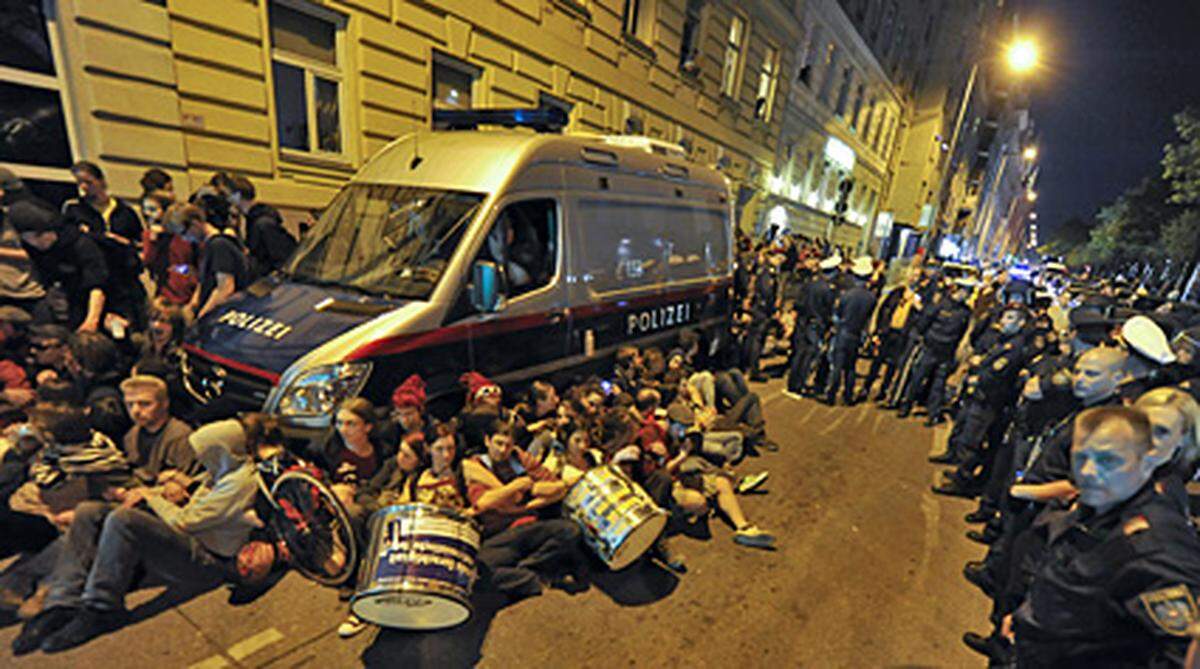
{"type": "Point", "coordinates": [1115, 590]}
{"type": "Point", "coordinates": [800, 334]}
{"type": "Point", "coordinates": [891, 339]}
{"type": "Point", "coordinates": [821, 298]}
{"type": "Point", "coordinates": [762, 309]}
{"type": "Point", "coordinates": [946, 326]}
{"type": "Point", "coordinates": [851, 313]}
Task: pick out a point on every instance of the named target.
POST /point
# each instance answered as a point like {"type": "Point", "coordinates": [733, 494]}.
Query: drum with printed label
{"type": "Point", "coordinates": [420, 568]}
{"type": "Point", "coordinates": [618, 518]}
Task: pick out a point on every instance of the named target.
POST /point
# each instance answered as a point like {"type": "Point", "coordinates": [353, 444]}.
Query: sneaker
{"type": "Point", "coordinates": [769, 446]}
{"type": "Point", "coordinates": [751, 482]}
{"type": "Point", "coordinates": [670, 559]}
{"type": "Point", "coordinates": [753, 537]}
{"type": "Point", "coordinates": [89, 624]}
{"type": "Point", "coordinates": [41, 626]}
{"type": "Point", "coordinates": [793, 395]}
{"type": "Point", "coordinates": [351, 626]}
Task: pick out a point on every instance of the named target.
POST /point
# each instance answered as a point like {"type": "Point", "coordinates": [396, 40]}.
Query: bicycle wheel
{"type": "Point", "coordinates": [315, 527]}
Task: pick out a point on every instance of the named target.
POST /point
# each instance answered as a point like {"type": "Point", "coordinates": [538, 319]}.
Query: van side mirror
{"type": "Point", "coordinates": [487, 283]}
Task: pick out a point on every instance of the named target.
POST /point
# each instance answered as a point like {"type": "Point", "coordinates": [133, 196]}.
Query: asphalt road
{"type": "Point", "coordinates": [866, 574]}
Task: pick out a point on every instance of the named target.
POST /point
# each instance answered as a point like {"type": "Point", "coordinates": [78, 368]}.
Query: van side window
{"type": "Point", "coordinates": [632, 244]}
{"type": "Point", "coordinates": [524, 242]}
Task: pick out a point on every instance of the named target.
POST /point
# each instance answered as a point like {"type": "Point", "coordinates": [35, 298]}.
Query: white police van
{"type": "Point", "coordinates": [516, 253]}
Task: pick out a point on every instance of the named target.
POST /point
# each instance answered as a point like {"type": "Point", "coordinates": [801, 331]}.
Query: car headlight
{"type": "Point", "coordinates": [319, 391]}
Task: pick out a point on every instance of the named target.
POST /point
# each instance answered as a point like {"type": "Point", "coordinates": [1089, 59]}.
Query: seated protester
{"type": "Point", "coordinates": [16, 389]}
{"type": "Point", "coordinates": [483, 406]}
{"type": "Point", "coordinates": [47, 353]}
{"type": "Point", "coordinates": [508, 489]}
{"type": "Point", "coordinates": [170, 257]}
{"type": "Point", "coordinates": [117, 230]}
{"type": "Point", "coordinates": [222, 269]}
{"type": "Point", "coordinates": [351, 456]}
{"type": "Point", "coordinates": [160, 353]}
{"type": "Point", "coordinates": [408, 413]}
{"type": "Point", "coordinates": [268, 243]}
{"type": "Point", "coordinates": [629, 373]}
{"type": "Point", "coordinates": [575, 459]}
{"type": "Point", "coordinates": [20, 532]}
{"type": "Point", "coordinates": [542, 430]}
{"type": "Point", "coordinates": [94, 364]}
{"type": "Point", "coordinates": [1122, 567]}
{"type": "Point", "coordinates": [157, 444]}
{"type": "Point", "coordinates": [193, 545]}
{"type": "Point", "coordinates": [68, 264]}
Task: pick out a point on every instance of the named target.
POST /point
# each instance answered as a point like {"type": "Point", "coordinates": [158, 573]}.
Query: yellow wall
{"type": "Point", "coordinates": [188, 87]}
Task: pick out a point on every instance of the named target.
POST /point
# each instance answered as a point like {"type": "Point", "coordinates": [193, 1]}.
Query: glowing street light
{"type": "Point", "coordinates": [1031, 196]}
{"type": "Point", "coordinates": [1030, 153]}
{"type": "Point", "coordinates": [1022, 55]}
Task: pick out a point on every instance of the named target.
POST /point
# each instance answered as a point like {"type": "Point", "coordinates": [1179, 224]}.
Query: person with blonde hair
{"type": "Point", "coordinates": [1175, 421]}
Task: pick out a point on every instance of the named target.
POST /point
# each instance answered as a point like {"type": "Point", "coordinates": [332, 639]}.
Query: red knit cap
{"type": "Point", "coordinates": [411, 393]}
{"type": "Point", "coordinates": [475, 382]}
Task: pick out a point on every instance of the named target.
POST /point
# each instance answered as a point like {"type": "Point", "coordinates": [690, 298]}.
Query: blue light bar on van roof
{"type": "Point", "coordinates": [543, 119]}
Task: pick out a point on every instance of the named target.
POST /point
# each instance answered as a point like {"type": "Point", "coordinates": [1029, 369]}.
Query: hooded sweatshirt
{"type": "Point", "coordinates": [217, 513]}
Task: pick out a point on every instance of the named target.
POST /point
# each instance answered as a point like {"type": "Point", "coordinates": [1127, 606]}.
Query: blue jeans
{"type": "Point", "coordinates": [104, 547]}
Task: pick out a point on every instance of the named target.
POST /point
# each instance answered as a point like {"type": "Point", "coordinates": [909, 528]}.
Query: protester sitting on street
{"type": "Point", "coordinates": [157, 445]}
{"type": "Point", "coordinates": [268, 243]}
{"type": "Point", "coordinates": [68, 264]}
{"type": "Point", "coordinates": [95, 367]}
{"type": "Point", "coordinates": [484, 404]}
{"type": "Point", "coordinates": [191, 545]}
{"type": "Point", "coordinates": [508, 489]}
{"type": "Point", "coordinates": [222, 268]}
{"type": "Point", "coordinates": [117, 230]}
{"type": "Point", "coordinates": [351, 456]}
{"type": "Point", "coordinates": [169, 256]}
{"type": "Point", "coordinates": [18, 286]}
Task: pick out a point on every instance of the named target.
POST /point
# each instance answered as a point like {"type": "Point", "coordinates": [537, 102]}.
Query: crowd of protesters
{"type": "Point", "coordinates": [114, 476]}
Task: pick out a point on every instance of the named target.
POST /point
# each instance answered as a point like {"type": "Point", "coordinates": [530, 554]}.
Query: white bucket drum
{"type": "Point", "coordinates": [618, 518]}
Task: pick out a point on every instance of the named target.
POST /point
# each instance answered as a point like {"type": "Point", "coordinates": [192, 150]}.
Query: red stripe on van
{"type": "Point", "coordinates": [233, 364]}
{"type": "Point", "coordinates": [455, 333]}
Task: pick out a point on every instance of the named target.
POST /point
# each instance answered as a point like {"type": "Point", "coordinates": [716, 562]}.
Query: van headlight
{"type": "Point", "coordinates": [319, 391]}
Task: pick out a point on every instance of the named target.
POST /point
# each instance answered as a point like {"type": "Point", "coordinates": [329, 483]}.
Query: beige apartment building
{"type": "Point", "coordinates": [785, 97]}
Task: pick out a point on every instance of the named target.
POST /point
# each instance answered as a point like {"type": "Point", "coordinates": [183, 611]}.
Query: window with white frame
{"type": "Point", "coordinates": [768, 77]}
{"type": "Point", "coordinates": [638, 20]}
{"type": "Point", "coordinates": [733, 55]}
{"type": "Point", "coordinates": [35, 141]}
{"type": "Point", "coordinates": [306, 55]}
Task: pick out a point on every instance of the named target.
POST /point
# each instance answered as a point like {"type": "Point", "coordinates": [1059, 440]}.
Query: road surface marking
{"type": "Point", "coordinates": [214, 662]}
{"type": "Point", "coordinates": [247, 647]}
{"type": "Point", "coordinates": [834, 425]}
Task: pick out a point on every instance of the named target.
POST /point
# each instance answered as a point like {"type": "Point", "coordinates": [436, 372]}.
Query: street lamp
{"type": "Point", "coordinates": [1031, 196]}
{"type": "Point", "coordinates": [1022, 55]}
{"type": "Point", "coordinates": [1030, 153]}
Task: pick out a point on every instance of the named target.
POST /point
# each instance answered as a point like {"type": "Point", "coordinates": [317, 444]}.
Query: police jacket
{"type": "Point", "coordinates": [996, 375]}
{"type": "Point", "coordinates": [853, 310]}
{"type": "Point", "coordinates": [762, 302]}
{"type": "Point", "coordinates": [946, 325]}
{"type": "Point", "coordinates": [1115, 589]}
{"type": "Point", "coordinates": [821, 297]}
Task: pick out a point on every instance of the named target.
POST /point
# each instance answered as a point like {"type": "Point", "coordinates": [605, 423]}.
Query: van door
{"type": "Point", "coordinates": [527, 336]}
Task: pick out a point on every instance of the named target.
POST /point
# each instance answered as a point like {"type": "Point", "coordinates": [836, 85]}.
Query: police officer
{"type": "Point", "coordinates": [801, 344]}
{"type": "Point", "coordinates": [988, 394]}
{"type": "Point", "coordinates": [851, 313]}
{"type": "Point", "coordinates": [1120, 573]}
{"type": "Point", "coordinates": [946, 327]}
{"type": "Point", "coordinates": [821, 297]}
{"type": "Point", "coordinates": [764, 298]}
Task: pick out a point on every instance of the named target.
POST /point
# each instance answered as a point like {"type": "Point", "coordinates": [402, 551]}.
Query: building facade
{"type": "Point", "coordinates": [812, 108]}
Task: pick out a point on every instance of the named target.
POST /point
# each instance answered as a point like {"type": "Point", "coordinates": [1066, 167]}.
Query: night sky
{"type": "Point", "coordinates": [1113, 73]}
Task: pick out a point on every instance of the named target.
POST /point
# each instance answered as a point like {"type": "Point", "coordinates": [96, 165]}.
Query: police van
{"type": "Point", "coordinates": [520, 254]}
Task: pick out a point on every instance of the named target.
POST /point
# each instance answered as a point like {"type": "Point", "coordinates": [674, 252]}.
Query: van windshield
{"type": "Point", "coordinates": [385, 239]}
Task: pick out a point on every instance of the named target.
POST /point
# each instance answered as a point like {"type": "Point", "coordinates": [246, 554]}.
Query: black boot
{"type": "Point", "coordinates": [89, 624]}
{"type": "Point", "coordinates": [981, 515]}
{"type": "Point", "coordinates": [987, 536]}
{"type": "Point", "coordinates": [994, 647]}
{"type": "Point", "coordinates": [946, 458]}
{"type": "Point", "coordinates": [41, 626]}
{"type": "Point", "coordinates": [976, 572]}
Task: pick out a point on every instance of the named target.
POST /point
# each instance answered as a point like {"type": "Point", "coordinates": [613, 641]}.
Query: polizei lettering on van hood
{"type": "Point", "coordinates": [259, 325]}
{"type": "Point", "coordinates": [658, 318]}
